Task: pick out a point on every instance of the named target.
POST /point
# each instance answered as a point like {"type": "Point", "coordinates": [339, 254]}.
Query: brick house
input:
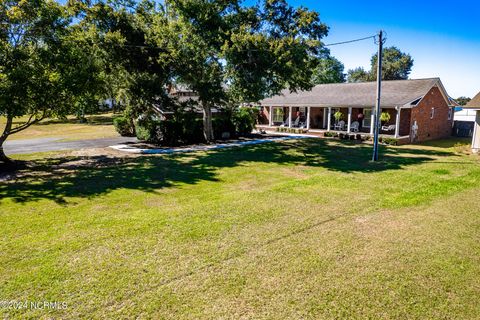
{"type": "Point", "coordinates": [418, 109]}
{"type": "Point", "coordinates": [474, 104]}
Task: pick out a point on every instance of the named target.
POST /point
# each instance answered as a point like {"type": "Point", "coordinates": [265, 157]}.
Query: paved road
{"type": "Point", "coordinates": [55, 144]}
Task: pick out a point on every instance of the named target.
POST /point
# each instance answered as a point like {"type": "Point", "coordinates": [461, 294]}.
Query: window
{"type": "Point", "coordinates": [367, 118]}
{"type": "Point", "coordinates": [432, 113]}
{"type": "Point", "coordinates": [277, 114]}
{"type": "Point", "coordinates": [450, 112]}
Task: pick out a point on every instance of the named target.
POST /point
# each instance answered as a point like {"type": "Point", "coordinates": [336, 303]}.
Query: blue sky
{"type": "Point", "coordinates": [443, 37]}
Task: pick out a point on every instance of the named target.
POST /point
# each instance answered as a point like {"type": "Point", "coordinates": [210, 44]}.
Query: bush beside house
{"type": "Point", "coordinates": [185, 127]}
{"type": "Point", "coordinates": [124, 126]}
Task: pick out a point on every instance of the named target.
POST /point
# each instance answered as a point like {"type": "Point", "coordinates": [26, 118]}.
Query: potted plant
{"type": "Point", "coordinates": [384, 117]}
{"type": "Point", "coordinates": [338, 115]}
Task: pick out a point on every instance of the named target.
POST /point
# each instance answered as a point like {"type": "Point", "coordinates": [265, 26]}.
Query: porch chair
{"type": "Point", "coordinates": [354, 127]}
{"type": "Point", "coordinates": [389, 128]}
{"type": "Point", "coordinates": [296, 123]}
{"type": "Point", "coordinates": [339, 126]}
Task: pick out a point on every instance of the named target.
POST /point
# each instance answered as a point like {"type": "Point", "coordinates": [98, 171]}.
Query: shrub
{"type": "Point", "coordinates": [223, 123]}
{"type": "Point", "coordinates": [330, 134]}
{"type": "Point", "coordinates": [181, 128]}
{"type": "Point", "coordinates": [390, 141]}
{"type": "Point", "coordinates": [147, 130]}
{"type": "Point", "coordinates": [244, 120]}
{"type": "Point", "coordinates": [124, 126]}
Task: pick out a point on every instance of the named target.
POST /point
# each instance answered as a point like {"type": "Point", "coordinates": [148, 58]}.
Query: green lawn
{"type": "Point", "coordinates": [295, 229]}
{"type": "Point", "coordinates": [97, 126]}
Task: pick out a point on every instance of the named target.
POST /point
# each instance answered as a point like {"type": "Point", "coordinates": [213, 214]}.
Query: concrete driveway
{"type": "Point", "coordinates": [54, 144]}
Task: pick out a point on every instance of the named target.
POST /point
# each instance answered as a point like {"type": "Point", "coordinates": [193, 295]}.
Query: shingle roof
{"type": "Point", "coordinates": [474, 103]}
{"type": "Point", "coordinates": [361, 94]}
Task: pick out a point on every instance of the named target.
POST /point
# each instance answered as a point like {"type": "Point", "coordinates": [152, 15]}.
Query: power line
{"type": "Point", "coordinates": [349, 41]}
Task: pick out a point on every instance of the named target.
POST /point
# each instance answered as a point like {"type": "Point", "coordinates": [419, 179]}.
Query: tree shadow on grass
{"type": "Point", "coordinates": [88, 177]}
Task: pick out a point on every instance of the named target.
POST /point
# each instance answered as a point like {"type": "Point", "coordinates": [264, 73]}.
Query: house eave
{"type": "Point", "coordinates": [284, 105]}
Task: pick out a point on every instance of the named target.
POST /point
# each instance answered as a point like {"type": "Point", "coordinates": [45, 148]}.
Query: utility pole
{"type": "Point", "coordinates": [376, 114]}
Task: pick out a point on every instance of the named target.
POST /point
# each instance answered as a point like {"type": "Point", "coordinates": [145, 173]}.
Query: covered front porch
{"type": "Point", "coordinates": [339, 119]}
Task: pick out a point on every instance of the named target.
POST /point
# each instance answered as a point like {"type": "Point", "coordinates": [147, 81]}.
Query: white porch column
{"type": "Point", "coordinates": [397, 122]}
{"type": "Point", "coordinates": [476, 134]}
{"type": "Point", "coordinates": [324, 117]}
{"type": "Point", "coordinates": [289, 117]}
{"type": "Point", "coordinates": [372, 122]}
{"type": "Point", "coordinates": [349, 119]}
{"type": "Point", "coordinates": [329, 118]}
{"type": "Point", "coordinates": [270, 117]}
{"type": "Point", "coordinates": [308, 118]}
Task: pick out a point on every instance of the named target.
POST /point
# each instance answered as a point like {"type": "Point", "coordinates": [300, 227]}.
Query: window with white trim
{"type": "Point", "coordinates": [367, 118]}
{"type": "Point", "coordinates": [432, 113]}
{"type": "Point", "coordinates": [450, 113]}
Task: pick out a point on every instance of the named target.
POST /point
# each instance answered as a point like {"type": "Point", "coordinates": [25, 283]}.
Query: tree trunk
{"type": "Point", "coordinates": [207, 123]}
{"type": "Point", "coordinates": [114, 106]}
{"type": "Point", "coordinates": [3, 137]}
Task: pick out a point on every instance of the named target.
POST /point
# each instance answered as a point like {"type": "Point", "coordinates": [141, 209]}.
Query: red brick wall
{"type": "Point", "coordinates": [405, 117]}
{"type": "Point", "coordinates": [439, 126]}
{"type": "Point", "coordinates": [316, 118]}
{"type": "Point", "coordinates": [264, 116]}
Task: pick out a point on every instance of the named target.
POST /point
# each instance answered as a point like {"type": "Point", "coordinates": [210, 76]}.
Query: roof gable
{"type": "Point", "coordinates": [474, 103]}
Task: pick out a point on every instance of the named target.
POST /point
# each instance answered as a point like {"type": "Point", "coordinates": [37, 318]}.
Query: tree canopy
{"type": "Point", "coordinates": [396, 65]}
{"type": "Point", "coordinates": [329, 70]}
{"type": "Point", "coordinates": [57, 58]}
{"type": "Point", "coordinates": [228, 52]}
{"type": "Point", "coordinates": [43, 70]}
{"type": "Point", "coordinates": [463, 100]}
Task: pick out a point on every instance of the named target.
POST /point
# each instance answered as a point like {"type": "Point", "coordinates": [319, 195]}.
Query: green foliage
{"type": "Point", "coordinates": [244, 120]}
{"type": "Point", "coordinates": [338, 115]}
{"type": "Point", "coordinates": [65, 59]}
{"type": "Point", "coordinates": [385, 117]}
{"type": "Point", "coordinates": [291, 130]}
{"type": "Point", "coordinates": [463, 100]}
{"type": "Point", "coordinates": [258, 50]}
{"type": "Point", "coordinates": [46, 67]}
{"type": "Point", "coordinates": [223, 124]}
{"type": "Point", "coordinates": [145, 131]}
{"type": "Point", "coordinates": [329, 70]}
{"type": "Point", "coordinates": [124, 126]}
{"type": "Point", "coordinates": [389, 141]}
{"type": "Point", "coordinates": [358, 75]}
{"type": "Point", "coordinates": [330, 134]}
{"type": "Point", "coordinates": [185, 127]}
{"type": "Point", "coordinates": [180, 128]}
{"type": "Point", "coordinates": [396, 65]}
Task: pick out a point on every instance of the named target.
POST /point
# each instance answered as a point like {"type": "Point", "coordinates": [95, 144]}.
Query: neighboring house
{"type": "Point", "coordinates": [465, 115]}
{"type": "Point", "coordinates": [419, 109]}
{"type": "Point", "coordinates": [183, 95]}
{"type": "Point", "coordinates": [464, 119]}
{"type": "Point", "coordinates": [474, 105]}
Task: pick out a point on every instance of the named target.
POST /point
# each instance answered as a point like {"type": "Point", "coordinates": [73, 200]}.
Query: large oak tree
{"type": "Point", "coordinates": [230, 53]}
{"type": "Point", "coordinates": [44, 70]}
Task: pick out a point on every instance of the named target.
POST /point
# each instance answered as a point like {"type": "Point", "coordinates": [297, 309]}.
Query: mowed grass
{"type": "Point", "coordinates": [296, 229]}
{"type": "Point", "coordinates": [97, 126]}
